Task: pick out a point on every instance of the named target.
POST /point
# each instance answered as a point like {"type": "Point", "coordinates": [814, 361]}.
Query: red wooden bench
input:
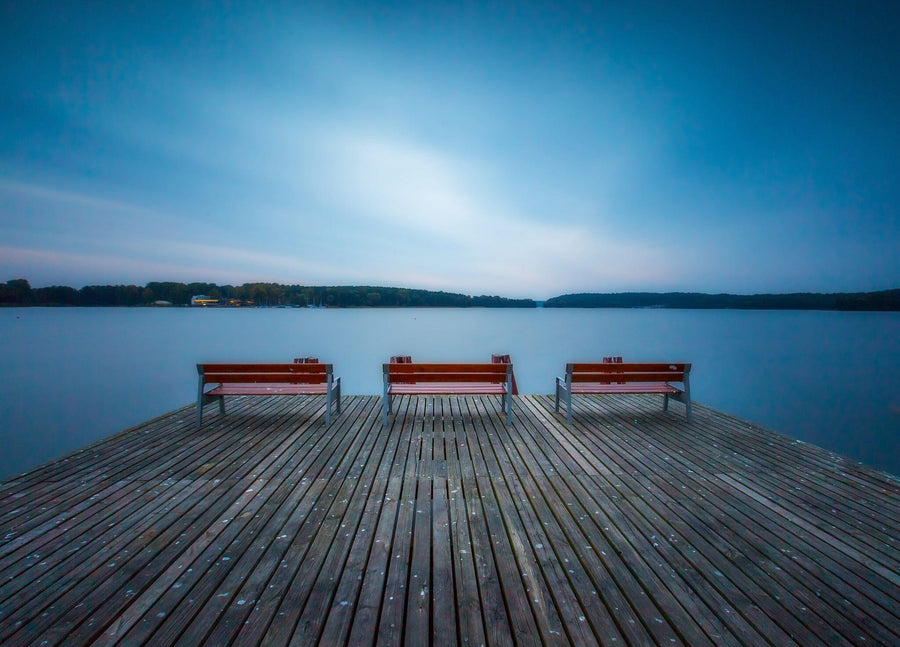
{"type": "Point", "coordinates": [630, 378]}
{"type": "Point", "coordinates": [267, 379]}
{"type": "Point", "coordinates": [447, 379]}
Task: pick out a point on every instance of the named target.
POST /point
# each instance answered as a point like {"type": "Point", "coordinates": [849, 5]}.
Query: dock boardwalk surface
{"type": "Point", "coordinates": [450, 527]}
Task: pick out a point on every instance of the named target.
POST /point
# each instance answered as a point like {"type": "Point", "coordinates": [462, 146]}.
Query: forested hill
{"type": "Point", "coordinates": [883, 300]}
{"type": "Point", "coordinates": [20, 292]}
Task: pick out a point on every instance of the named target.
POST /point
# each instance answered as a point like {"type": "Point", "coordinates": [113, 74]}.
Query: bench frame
{"type": "Point", "coordinates": [631, 378]}
{"type": "Point", "coordinates": [447, 379]}
{"type": "Point", "coordinates": [267, 379]}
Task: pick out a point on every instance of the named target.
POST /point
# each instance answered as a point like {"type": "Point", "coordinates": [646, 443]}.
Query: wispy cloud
{"type": "Point", "coordinates": [312, 149]}
{"type": "Point", "coordinates": [451, 224]}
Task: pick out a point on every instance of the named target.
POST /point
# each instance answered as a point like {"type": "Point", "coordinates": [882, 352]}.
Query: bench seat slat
{"type": "Point", "coordinates": [480, 378]}
{"type": "Point", "coordinates": [448, 388]}
{"type": "Point", "coordinates": [499, 369]}
{"type": "Point", "coordinates": [627, 367]}
{"type": "Point", "coordinates": [627, 377]}
{"type": "Point", "coordinates": [297, 378]}
{"type": "Point", "coordinates": [633, 387]}
{"type": "Point", "coordinates": [269, 389]}
{"type": "Point", "coordinates": [265, 368]}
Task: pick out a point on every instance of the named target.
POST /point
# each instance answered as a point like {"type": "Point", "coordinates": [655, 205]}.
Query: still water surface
{"type": "Point", "coordinates": [71, 376]}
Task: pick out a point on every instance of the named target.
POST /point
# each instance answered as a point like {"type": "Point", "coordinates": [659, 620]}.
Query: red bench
{"type": "Point", "coordinates": [447, 379]}
{"type": "Point", "coordinates": [630, 378]}
{"type": "Point", "coordinates": [267, 379]}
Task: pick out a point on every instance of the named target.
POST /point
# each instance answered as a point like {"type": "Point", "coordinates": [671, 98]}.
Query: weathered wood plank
{"type": "Point", "coordinates": [749, 601]}
{"type": "Point", "coordinates": [110, 578]}
{"type": "Point", "coordinates": [214, 580]}
{"type": "Point", "coordinates": [643, 441]}
{"type": "Point", "coordinates": [633, 589]}
{"type": "Point", "coordinates": [417, 622]}
{"type": "Point", "coordinates": [121, 542]}
{"type": "Point", "coordinates": [364, 623]}
{"type": "Point", "coordinates": [469, 607]}
{"type": "Point", "coordinates": [450, 526]}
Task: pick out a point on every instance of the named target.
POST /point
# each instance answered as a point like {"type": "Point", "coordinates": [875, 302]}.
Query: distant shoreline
{"type": "Point", "coordinates": [18, 292]}
{"type": "Point", "coordinates": [885, 300]}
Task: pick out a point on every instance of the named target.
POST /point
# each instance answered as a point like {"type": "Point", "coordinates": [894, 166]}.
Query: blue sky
{"type": "Point", "coordinates": [525, 150]}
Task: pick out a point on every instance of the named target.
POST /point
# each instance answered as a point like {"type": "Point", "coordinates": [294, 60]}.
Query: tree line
{"type": "Point", "coordinates": [882, 300]}
{"type": "Point", "coordinates": [20, 292]}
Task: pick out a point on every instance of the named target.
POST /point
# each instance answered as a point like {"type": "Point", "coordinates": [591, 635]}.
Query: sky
{"type": "Point", "coordinates": [519, 149]}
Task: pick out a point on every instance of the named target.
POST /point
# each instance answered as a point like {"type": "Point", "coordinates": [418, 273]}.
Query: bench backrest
{"type": "Point", "coordinates": [412, 373]}
{"type": "Point", "coordinates": [631, 372]}
{"type": "Point", "coordinates": [265, 373]}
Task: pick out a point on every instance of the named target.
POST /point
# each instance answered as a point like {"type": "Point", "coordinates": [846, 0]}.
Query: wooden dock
{"type": "Point", "coordinates": [448, 527]}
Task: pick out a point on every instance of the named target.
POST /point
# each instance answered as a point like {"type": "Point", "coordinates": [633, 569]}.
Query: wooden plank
{"type": "Point", "coordinates": [364, 624]}
{"type": "Point", "coordinates": [417, 620]}
{"type": "Point", "coordinates": [48, 487]}
{"type": "Point", "coordinates": [344, 517]}
{"type": "Point", "coordinates": [544, 571]}
{"type": "Point", "coordinates": [469, 606]}
{"type": "Point", "coordinates": [390, 627]}
{"type": "Point", "coordinates": [284, 561]}
{"type": "Point", "coordinates": [564, 536]}
{"type": "Point", "coordinates": [599, 388]}
{"type": "Point", "coordinates": [444, 606]}
{"type": "Point", "coordinates": [109, 579]}
{"type": "Point", "coordinates": [268, 389]}
{"type": "Point", "coordinates": [203, 553]}
{"type": "Point", "coordinates": [214, 579]}
{"type": "Point", "coordinates": [628, 367]}
{"type": "Point", "coordinates": [447, 378]}
{"type": "Point", "coordinates": [750, 519]}
{"type": "Point", "coordinates": [265, 378]}
{"type": "Point", "coordinates": [815, 486]}
{"type": "Point", "coordinates": [63, 562]}
{"type": "Point", "coordinates": [448, 526]}
{"type": "Point", "coordinates": [636, 538]}
{"type": "Point", "coordinates": [296, 368]}
{"type": "Point", "coordinates": [706, 560]}
{"type": "Point", "coordinates": [364, 563]}
{"type": "Point", "coordinates": [433, 387]}
{"type": "Point", "coordinates": [488, 369]}
{"type": "Point", "coordinates": [527, 600]}
{"type": "Point", "coordinates": [625, 581]}
{"type": "Point", "coordinates": [814, 518]}
{"type": "Point", "coordinates": [498, 624]}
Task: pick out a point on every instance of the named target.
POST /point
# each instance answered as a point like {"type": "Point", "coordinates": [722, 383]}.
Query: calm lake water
{"type": "Point", "coordinates": [71, 376]}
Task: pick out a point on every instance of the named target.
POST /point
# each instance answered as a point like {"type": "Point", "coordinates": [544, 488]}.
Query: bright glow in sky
{"type": "Point", "coordinates": [525, 151]}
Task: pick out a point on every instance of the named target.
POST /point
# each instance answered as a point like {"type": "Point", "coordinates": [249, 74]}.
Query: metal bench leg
{"type": "Point", "coordinates": [202, 399]}
{"type": "Point", "coordinates": [686, 396]}
{"type": "Point", "coordinates": [563, 393]}
{"type": "Point", "coordinates": [385, 408]}
{"type": "Point", "coordinates": [685, 399]}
